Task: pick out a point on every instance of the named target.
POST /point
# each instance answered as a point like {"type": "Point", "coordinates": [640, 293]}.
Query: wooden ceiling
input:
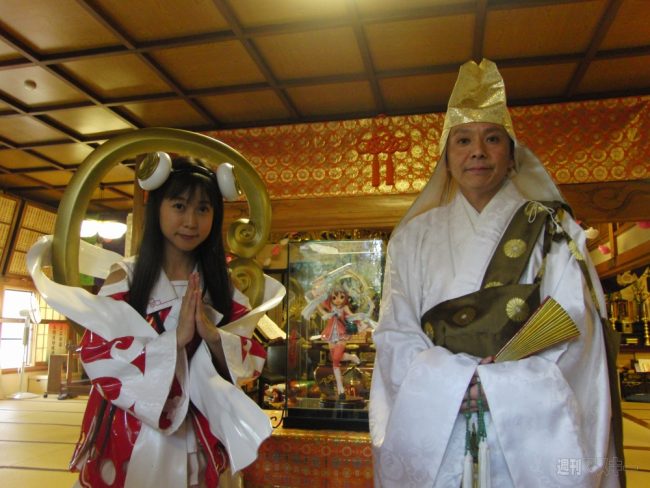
{"type": "Point", "coordinates": [73, 73]}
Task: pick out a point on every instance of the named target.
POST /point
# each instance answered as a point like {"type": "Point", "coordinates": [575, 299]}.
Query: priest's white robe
{"type": "Point", "coordinates": [549, 415]}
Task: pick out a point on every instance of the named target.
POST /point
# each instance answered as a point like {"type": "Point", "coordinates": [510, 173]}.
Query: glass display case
{"type": "Point", "coordinates": [333, 294]}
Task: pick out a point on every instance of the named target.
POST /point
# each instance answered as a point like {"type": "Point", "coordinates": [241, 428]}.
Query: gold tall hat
{"type": "Point", "coordinates": [479, 95]}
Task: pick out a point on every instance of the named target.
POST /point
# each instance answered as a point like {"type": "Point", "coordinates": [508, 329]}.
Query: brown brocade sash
{"type": "Point", "coordinates": [480, 323]}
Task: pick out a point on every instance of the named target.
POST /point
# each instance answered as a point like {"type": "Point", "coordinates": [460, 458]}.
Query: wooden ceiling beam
{"type": "Point", "coordinates": [479, 30]}
{"type": "Point", "coordinates": [364, 49]}
{"type": "Point", "coordinates": [594, 45]}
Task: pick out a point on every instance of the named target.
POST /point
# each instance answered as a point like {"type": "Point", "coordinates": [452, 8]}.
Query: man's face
{"type": "Point", "coordinates": [478, 158]}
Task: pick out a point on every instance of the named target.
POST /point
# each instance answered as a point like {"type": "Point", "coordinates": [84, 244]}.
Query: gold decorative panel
{"type": "Point", "coordinates": [579, 142]}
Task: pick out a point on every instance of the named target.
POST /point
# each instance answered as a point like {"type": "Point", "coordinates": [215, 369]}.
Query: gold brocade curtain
{"type": "Point", "coordinates": [578, 142]}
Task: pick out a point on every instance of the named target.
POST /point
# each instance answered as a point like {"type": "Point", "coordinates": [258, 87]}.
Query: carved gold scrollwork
{"type": "Point", "coordinates": [245, 238]}
{"type": "Point", "coordinates": [247, 276]}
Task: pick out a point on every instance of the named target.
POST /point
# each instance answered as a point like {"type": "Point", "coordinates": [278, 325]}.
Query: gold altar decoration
{"type": "Point", "coordinates": [578, 142]}
{"type": "Point", "coordinates": [246, 237]}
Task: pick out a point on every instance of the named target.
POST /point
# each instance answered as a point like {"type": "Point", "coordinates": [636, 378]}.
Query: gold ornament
{"type": "Point", "coordinates": [147, 166]}
{"type": "Point", "coordinates": [514, 248]}
{"type": "Point", "coordinates": [428, 330]}
{"type": "Point", "coordinates": [492, 284]}
{"type": "Point", "coordinates": [517, 309]}
{"type": "Point", "coordinates": [573, 247]}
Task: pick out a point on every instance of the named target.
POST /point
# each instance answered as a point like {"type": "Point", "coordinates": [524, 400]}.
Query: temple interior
{"type": "Point", "coordinates": [331, 112]}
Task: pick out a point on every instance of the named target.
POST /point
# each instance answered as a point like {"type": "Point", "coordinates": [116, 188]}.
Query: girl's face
{"type": "Point", "coordinates": [186, 221]}
{"type": "Point", "coordinates": [338, 298]}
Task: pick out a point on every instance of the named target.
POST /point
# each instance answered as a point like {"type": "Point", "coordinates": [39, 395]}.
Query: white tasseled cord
{"type": "Point", "coordinates": [468, 471]}
{"type": "Point", "coordinates": [484, 465]}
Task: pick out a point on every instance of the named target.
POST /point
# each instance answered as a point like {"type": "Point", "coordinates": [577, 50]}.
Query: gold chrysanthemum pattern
{"type": "Point", "coordinates": [428, 330]}
{"type": "Point", "coordinates": [517, 309]}
{"type": "Point", "coordinates": [464, 316]}
{"type": "Point", "coordinates": [514, 248]}
{"type": "Point", "coordinates": [573, 247]}
{"type": "Point", "coordinates": [492, 284]}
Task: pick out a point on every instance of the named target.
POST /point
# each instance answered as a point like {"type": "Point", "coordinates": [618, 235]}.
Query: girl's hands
{"type": "Point", "coordinates": [474, 392]}
{"type": "Point", "coordinates": [187, 317]}
{"type": "Point", "coordinates": [193, 318]}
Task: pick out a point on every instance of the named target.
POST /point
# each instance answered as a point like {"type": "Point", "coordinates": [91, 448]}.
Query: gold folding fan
{"type": "Point", "coordinates": [549, 325]}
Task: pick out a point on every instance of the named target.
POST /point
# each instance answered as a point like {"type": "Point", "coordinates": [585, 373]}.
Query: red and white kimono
{"type": "Point", "coordinates": [157, 416]}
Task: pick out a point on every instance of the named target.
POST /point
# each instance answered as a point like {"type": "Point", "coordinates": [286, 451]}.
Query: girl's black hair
{"type": "Point", "coordinates": [210, 254]}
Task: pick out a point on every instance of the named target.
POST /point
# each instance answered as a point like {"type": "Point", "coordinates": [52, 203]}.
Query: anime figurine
{"type": "Point", "coordinates": [332, 297]}
{"type": "Point", "coordinates": [339, 326]}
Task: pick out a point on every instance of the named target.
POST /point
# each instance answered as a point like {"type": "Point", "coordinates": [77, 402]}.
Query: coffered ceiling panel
{"type": "Point", "coordinates": [53, 177]}
{"type": "Point", "coordinates": [49, 27]}
{"type": "Point", "coordinates": [421, 42]}
{"type": "Point", "coordinates": [65, 154]}
{"type": "Point", "coordinates": [166, 113]}
{"type": "Point", "coordinates": [546, 81]}
{"type": "Point", "coordinates": [238, 107]}
{"type": "Point", "coordinates": [89, 121]}
{"type": "Point", "coordinates": [333, 98]}
{"type": "Point", "coordinates": [209, 65]}
{"type": "Point", "coordinates": [151, 20]}
{"type": "Point", "coordinates": [255, 13]}
{"type": "Point", "coordinates": [24, 130]}
{"type": "Point", "coordinates": [124, 75]}
{"type": "Point", "coordinates": [629, 27]}
{"type": "Point", "coordinates": [616, 74]}
{"type": "Point", "coordinates": [17, 159]}
{"type": "Point", "coordinates": [409, 92]}
{"type": "Point", "coordinates": [322, 52]}
{"type": "Point", "coordinates": [34, 86]}
{"type": "Point", "coordinates": [75, 72]}
{"type": "Point", "coordinates": [566, 28]}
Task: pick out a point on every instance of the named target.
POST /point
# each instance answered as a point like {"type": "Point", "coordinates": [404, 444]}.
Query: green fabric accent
{"type": "Point", "coordinates": [478, 323]}
{"type": "Point", "coordinates": [506, 267]}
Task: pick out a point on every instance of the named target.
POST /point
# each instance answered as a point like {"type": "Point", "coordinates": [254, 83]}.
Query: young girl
{"type": "Point", "coordinates": [165, 410]}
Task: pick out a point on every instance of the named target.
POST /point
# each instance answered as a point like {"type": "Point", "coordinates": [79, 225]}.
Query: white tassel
{"type": "Point", "coordinates": [468, 471]}
{"type": "Point", "coordinates": [484, 465]}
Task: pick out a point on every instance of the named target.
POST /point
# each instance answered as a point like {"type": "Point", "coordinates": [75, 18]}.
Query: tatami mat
{"type": "Point", "coordinates": [37, 437]}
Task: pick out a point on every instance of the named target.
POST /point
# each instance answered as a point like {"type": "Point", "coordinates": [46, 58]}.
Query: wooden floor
{"type": "Point", "coordinates": [38, 435]}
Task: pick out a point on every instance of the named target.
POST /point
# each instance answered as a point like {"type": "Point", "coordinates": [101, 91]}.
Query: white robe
{"type": "Point", "coordinates": [549, 418]}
